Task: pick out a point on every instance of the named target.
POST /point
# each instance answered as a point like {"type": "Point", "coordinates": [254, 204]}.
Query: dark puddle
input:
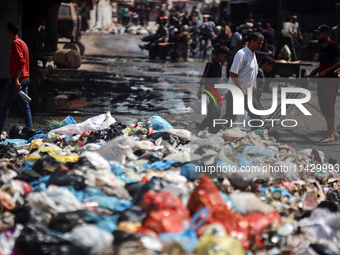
{"type": "Point", "coordinates": [84, 93]}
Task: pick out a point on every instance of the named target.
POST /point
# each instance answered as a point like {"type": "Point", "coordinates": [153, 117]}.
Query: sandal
{"type": "Point", "coordinates": [327, 140]}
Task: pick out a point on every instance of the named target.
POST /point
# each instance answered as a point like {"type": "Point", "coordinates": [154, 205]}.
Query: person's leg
{"type": "Point", "coordinates": [280, 44]}
{"type": "Point", "coordinates": [24, 105]}
{"type": "Point", "coordinates": [229, 116]}
{"type": "Point", "coordinates": [7, 101]}
{"type": "Point", "coordinates": [209, 119]}
{"type": "Point", "coordinates": [327, 96]}
{"type": "Point", "coordinates": [215, 114]}
{"type": "Point", "coordinates": [256, 119]}
{"type": "Point", "coordinates": [290, 44]}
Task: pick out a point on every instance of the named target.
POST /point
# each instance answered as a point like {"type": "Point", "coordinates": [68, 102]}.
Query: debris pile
{"type": "Point", "coordinates": [100, 187]}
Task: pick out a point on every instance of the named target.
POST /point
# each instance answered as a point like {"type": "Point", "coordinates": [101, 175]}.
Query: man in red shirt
{"type": "Point", "coordinates": [327, 88]}
{"type": "Point", "coordinates": [19, 72]}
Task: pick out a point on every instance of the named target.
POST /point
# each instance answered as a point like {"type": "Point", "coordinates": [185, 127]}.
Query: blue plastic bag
{"type": "Point", "coordinates": [282, 191]}
{"type": "Point", "coordinates": [67, 121]}
{"type": "Point", "coordinates": [157, 123]}
{"type": "Point", "coordinates": [188, 170]}
{"type": "Point", "coordinates": [187, 238]}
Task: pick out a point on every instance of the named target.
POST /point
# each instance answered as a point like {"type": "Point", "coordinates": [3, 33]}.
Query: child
{"type": "Point", "coordinates": [266, 65]}
{"type": "Point", "coordinates": [212, 74]}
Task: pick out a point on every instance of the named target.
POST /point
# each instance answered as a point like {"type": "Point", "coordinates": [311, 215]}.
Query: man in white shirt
{"type": "Point", "coordinates": [243, 73]}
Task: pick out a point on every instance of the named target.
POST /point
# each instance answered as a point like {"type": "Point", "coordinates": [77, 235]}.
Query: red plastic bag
{"type": "Point", "coordinates": [162, 200]}
{"type": "Point", "coordinates": [166, 213]}
{"type": "Point", "coordinates": [207, 195]}
{"type": "Point", "coordinates": [258, 221]}
{"type": "Point", "coordinates": [168, 220]}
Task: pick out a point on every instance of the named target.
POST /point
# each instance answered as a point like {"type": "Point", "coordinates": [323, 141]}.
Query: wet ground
{"type": "Point", "coordinates": [117, 76]}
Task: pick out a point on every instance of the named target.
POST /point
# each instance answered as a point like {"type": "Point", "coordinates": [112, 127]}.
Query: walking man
{"type": "Point", "coordinates": [211, 76]}
{"type": "Point", "coordinates": [243, 73]}
{"type": "Point", "coordinates": [327, 89]}
{"type": "Point", "coordinates": [19, 72]}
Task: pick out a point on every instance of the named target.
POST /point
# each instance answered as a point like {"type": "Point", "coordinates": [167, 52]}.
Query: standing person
{"type": "Point", "coordinates": [335, 32]}
{"type": "Point", "coordinates": [235, 46]}
{"type": "Point", "coordinates": [208, 31]}
{"type": "Point", "coordinates": [19, 72]}
{"type": "Point", "coordinates": [266, 65]}
{"type": "Point", "coordinates": [297, 36]}
{"type": "Point", "coordinates": [269, 37]}
{"type": "Point", "coordinates": [329, 59]}
{"type": "Point", "coordinates": [125, 20]}
{"type": "Point", "coordinates": [141, 15]}
{"type": "Point", "coordinates": [211, 75]}
{"type": "Point", "coordinates": [286, 37]}
{"type": "Point", "coordinates": [243, 73]}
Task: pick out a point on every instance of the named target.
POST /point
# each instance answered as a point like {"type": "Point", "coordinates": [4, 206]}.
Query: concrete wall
{"type": "Point", "coordinates": [9, 11]}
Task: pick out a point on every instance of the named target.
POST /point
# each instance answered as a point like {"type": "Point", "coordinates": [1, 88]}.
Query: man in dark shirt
{"type": "Point", "coordinates": [162, 35]}
{"type": "Point", "coordinates": [327, 89]}
{"type": "Point", "coordinates": [212, 74]}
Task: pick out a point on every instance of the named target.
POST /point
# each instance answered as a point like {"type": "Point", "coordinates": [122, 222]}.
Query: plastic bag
{"type": "Point", "coordinates": [67, 121]}
{"type": "Point", "coordinates": [65, 222]}
{"type": "Point", "coordinates": [157, 123]}
{"type": "Point", "coordinates": [155, 184]}
{"type": "Point", "coordinates": [54, 200]}
{"type": "Point", "coordinates": [118, 149]}
{"type": "Point", "coordinates": [87, 125]}
{"type": "Point", "coordinates": [169, 137]}
{"type": "Point", "coordinates": [187, 238]}
{"type": "Point", "coordinates": [22, 132]}
{"type": "Point", "coordinates": [259, 152]}
{"type": "Point", "coordinates": [258, 221]}
{"type": "Point", "coordinates": [35, 239]}
{"type": "Point", "coordinates": [234, 134]}
{"type": "Point", "coordinates": [8, 151]}
{"type": "Point", "coordinates": [95, 239]}
{"type": "Point", "coordinates": [207, 195]}
{"type": "Point", "coordinates": [105, 134]}
{"type": "Point", "coordinates": [166, 213]}
{"type": "Point", "coordinates": [64, 177]}
{"type": "Point", "coordinates": [8, 239]}
{"type": "Point", "coordinates": [46, 165]}
{"type": "Point", "coordinates": [216, 242]}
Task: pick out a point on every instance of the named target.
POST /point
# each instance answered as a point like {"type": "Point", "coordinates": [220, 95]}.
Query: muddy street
{"type": "Point", "coordinates": [116, 76]}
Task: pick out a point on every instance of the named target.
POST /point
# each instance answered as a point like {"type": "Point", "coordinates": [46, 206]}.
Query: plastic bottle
{"type": "Point", "coordinates": [24, 96]}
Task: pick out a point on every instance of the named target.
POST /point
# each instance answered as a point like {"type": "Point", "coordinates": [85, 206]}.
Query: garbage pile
{"type": "Point", "coordinates": [100, 187]}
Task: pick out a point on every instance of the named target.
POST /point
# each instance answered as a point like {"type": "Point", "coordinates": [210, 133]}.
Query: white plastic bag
{"type": "Point", "coordinates": [87, 125]}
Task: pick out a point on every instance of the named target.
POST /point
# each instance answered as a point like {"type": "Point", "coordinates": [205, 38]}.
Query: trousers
{"type": "Point", "coordinates": [10, 95]}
